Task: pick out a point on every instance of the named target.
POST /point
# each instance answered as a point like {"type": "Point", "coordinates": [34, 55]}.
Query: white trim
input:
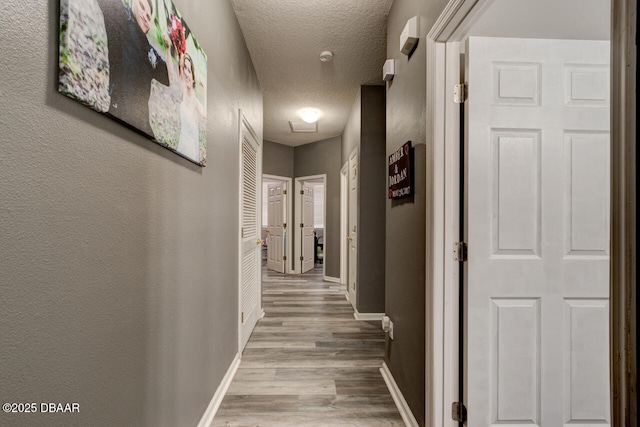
{"type": "Point", "coordinates": [436, 377]}
{"type": "Point", "coordinates": [239, 229]}
{"type": "Point", "coordinates": [344, 211]}
{"type": "Point", "coordinates": [442, 350]}
{"type": "Point", "coordinates": [297, 267]}
{"type": "Point", "coordinates": [332, 279]}
{"type": "Point", "coordinates": [212, 408]}
{"type": "Point", "coordinates": [450, 223]}
{"type": "Point", "coordinates": [398, 398]}
{"type": "Point", "coordinates": [289, 207]}
{"type": "Point", "coordinates": [367, 316]}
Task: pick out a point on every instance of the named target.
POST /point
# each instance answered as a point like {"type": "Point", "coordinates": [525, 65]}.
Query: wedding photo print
{"type": "Point", "coordinates": [138, 62]}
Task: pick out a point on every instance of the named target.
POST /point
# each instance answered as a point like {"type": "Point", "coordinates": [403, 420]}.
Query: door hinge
{"type": "Point", "coordinates": [284, 257]}
{"type": "Point", "coordinates": [460, 93]}
{"type": "Point", "coordinates": [460, 252]}
{"type": "Point", "coordinates": [301, 258]}
{"type": "Point", "coordinates": [459, 412]}
{"type": "Point", "coordinates": [284, 192]}
{"type": "Point", "coordinates": [243, 317]}
{"type": "Point", "coordinates": [242, 232]}
{"type": "Point", "coordinates": [301, 225]}
{"type": "Point", "coordinates": [284, 225]}
{"type": "Point", "coordinates": [301, 191]}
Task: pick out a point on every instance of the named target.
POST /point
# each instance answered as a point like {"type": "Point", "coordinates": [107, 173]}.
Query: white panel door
{"type": "Point", "coordinates": [276, 227]}
{"type": "Point", "coordinates": [352, 231]}
{"type": "Point", "coordinates": [538, 233]}
{"type": "Point", "coordinates": [308, 240]}
{"type": "Point", "coordinates": [250, 246]}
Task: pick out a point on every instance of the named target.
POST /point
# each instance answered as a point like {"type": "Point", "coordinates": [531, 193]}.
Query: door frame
{"type": "Point", "coordinates": [344, 212]}
{"type": "Point", "coordinates": [355, 154]}
{"type": "Point", "coordinates": [442, 294]}
{"type": "Point", "coordinates": [297, 267]}
{"type": "Point", "coordinates": [288, 207]}
{"type": "Point", "coordinates": [245, 129]}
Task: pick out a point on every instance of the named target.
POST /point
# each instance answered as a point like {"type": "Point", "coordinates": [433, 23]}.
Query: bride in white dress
{"type": "Point", "coordinates": [191, 112]}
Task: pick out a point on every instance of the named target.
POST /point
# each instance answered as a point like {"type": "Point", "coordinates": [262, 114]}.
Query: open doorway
{"type": "Point", "coordinates": [276, 214]}
{"type": "Point", "coordinates": [309, 243]}
{"type": "Point", "coordinates": [543, 376]}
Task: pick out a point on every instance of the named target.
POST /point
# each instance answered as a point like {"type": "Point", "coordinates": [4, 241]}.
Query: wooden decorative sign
{"type": "Point", "coordinates": [400, 172]}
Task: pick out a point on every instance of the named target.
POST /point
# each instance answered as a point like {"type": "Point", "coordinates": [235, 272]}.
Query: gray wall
{"type": "Point", "coordinates": [365, 131]}
{"type": "Point", "coordinates": [118, 278]}
{"type": "Point", "coordinates": [277, 159]}
{"type": "Point", "coordinates": [352, 129]}
{"type": "Point", "coordinates": [323, 157]}
{"type": "Point", "coordinates": [407, 218]}
{"type": "Point", "coordinates": [373, 195]}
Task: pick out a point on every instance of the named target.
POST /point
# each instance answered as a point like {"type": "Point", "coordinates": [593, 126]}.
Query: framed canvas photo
{"type": "Point", "coordinates": [138, 62]}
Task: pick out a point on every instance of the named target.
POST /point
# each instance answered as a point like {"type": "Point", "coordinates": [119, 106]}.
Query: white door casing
{"type": "Point", "coordinates": [352, 231]}
{"type": "Point", "coordinates": [276, 227]}
{"type": "Point", "coordinates": [250, 239]}
{"type": "Point", "coordinates": [307, 236]}
{"type": "Point", "coordinates": [344, 213]}
{"type": "Point", "coordinates": [537, 277]}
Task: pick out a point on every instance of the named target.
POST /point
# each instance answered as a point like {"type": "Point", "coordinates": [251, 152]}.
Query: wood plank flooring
{"type": "Point", "coordinates": [309, 362]}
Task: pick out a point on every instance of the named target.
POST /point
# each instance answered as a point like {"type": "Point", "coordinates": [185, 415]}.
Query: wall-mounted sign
{"type": "Point", "coordinates": [400, 172]}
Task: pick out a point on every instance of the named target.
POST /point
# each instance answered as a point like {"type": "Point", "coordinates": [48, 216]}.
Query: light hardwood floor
{"type": "Point", "coordinates": [309, 362]}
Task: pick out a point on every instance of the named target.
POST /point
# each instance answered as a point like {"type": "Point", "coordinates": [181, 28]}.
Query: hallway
{"type": "Point", "coordinates": [309, 362]}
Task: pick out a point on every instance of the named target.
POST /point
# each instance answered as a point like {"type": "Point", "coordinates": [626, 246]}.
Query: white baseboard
{"type": "Point", "coordinates": [207, 418]}
{"type": "Point", "coordinates": [367, 316]}
{"type": "Point", "coordinates": [398, 398]}
{"type": "Point", "coordinates": [332, 279]}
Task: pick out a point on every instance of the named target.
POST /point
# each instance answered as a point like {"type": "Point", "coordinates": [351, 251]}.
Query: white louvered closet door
{"type": "Point", "coordinates": [250, 306]}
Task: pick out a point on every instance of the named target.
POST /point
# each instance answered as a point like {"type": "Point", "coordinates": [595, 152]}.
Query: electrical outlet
{"type": "Point", "coordinates": [387, 326]}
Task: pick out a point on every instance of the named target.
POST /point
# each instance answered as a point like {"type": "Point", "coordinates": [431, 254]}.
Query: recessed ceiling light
{"type": "Point", "coordinates": [310, 115]}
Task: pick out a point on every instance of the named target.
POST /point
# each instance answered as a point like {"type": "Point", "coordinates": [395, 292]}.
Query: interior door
{"type": "Point", "coordinates": [352, 231]}
{"type": "Point", "coordinates": [251, 243]}
{"type": "Point", "coordinates": [537, 217]}
{"type": "Point", "coordinates": [308, 240]}
{"type": "Point", "coordinates": [276, 227]}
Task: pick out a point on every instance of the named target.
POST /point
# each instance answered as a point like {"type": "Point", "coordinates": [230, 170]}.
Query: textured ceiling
{"type": "Point", "coordinates": [285, 39]}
